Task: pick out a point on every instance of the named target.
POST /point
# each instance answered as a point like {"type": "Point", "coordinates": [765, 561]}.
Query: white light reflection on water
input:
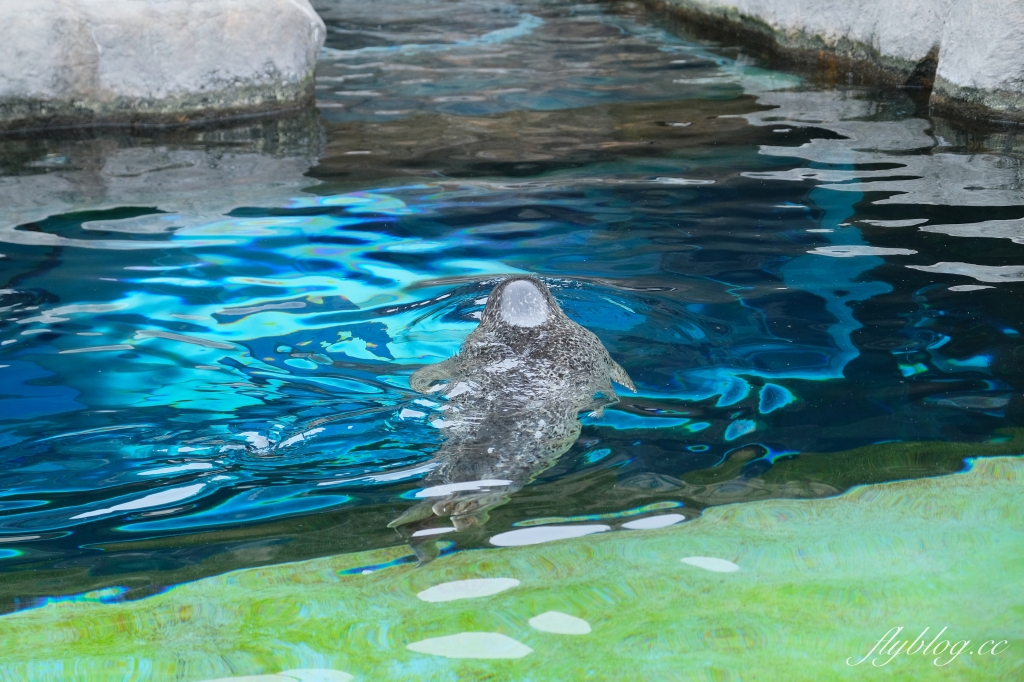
{"type": "Point", "coordinates": [264, 297]}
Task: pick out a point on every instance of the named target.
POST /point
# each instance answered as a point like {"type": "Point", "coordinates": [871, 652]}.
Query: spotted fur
{"type": "Point", "coordinates": [513, 393]}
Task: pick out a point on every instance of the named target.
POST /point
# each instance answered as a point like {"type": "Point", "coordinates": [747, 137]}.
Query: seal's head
{"type": "Point", "coordinates": [520, 302]}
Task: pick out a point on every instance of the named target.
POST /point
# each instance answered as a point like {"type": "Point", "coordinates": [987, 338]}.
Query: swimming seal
{"type": "Point", "coordinates": [513, 392]}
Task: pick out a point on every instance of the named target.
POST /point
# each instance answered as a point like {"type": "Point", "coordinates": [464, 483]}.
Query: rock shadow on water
{"type": "Point", "coordinates": [513, 393]}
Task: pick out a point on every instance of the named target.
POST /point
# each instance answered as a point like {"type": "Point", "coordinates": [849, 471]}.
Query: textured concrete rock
{"type": "Point", "coordinates": [160, 61]}
{"type": "Point", "coordinates": [981, 68]}
{"type": "Point", "coordinates": [972, 49]}
{"type": "Point", "coordinates": [854, 39]}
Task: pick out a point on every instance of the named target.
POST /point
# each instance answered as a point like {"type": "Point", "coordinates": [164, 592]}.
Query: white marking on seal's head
{"type": "Point", "coordinates": [523, 305]}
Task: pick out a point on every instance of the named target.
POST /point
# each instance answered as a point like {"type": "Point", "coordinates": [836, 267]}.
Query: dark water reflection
{"type": "Point", "coordinates": [205, 331]}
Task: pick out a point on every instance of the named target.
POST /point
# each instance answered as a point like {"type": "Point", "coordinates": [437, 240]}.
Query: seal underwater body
{"type": "Point", "coordinates": [514, 392]}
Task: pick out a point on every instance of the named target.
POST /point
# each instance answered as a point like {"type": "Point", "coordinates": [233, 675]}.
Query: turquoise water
{"type": "Point", "coordinates": [212, 331]}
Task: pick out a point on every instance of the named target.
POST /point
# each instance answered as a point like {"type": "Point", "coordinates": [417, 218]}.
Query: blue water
{"type": "Point", "coordinates": [207, 330]}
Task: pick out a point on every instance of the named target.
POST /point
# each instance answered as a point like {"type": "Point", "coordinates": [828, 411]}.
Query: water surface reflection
{"type": "Point", "coordinates": [204, 331]}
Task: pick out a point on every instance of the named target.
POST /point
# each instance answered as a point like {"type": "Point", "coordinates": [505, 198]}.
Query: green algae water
{"type": "Point", "coordinates": [208, 432]}
{"type": "Point", "coordinates": [810, 588]}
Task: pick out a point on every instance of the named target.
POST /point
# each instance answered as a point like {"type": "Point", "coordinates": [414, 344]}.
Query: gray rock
{"type": "Point", "coordinates": [981, 65]}
{"type": "Point", "coordinates": [851, 38]}
{"type": "Point", "coordinates": [973, 50]}
{"type": "Point", "coordinates": [68, 62]}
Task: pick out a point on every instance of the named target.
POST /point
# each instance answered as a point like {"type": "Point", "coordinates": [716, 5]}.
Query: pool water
{"type": "Point", "coordinates": [207, 335]}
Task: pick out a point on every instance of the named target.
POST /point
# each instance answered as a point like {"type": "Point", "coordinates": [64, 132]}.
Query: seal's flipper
{"type": "Point", "coordinates": [620, 377]}
{"type": "Point", "coordinates": [422, 378]}
{"type": "Point", "coordinates": [602, 399]}
{"type": "Point", "coordinates": [425, 550]}
{"type": "Point", "coordinates": [418, 513]}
